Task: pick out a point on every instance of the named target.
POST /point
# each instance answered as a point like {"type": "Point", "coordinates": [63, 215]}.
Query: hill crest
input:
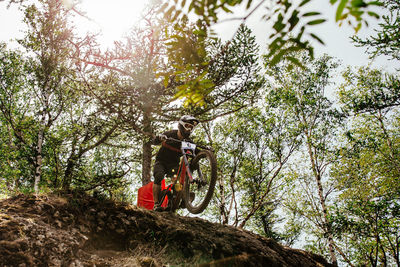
{"type": "Point", "coordinates": [78, 230]}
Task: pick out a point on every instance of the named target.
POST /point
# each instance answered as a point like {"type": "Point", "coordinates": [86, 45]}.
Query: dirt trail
{"type": "Point", "coordinates": [78, 230]}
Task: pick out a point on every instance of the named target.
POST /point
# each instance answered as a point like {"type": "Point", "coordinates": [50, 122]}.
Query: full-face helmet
{"type": "Point", "coordinates": [186, 125]}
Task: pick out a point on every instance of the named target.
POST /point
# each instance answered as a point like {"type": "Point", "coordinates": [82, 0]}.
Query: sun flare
{"type": "Point", "coordinates": [111, 18]}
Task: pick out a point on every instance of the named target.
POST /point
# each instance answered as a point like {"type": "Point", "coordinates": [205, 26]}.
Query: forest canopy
{"type": "Point", "coordinates": [313, 147]}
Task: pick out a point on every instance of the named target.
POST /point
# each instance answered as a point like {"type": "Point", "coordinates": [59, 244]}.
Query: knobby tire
{"type": "Point", "coordinates": [211, 180]}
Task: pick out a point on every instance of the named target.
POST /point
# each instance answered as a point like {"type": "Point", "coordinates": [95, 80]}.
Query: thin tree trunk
{"type": "Point", "coordinates": [222, 207]}
{"type": "Point", "coordinates": [344, 256]}
{"type": "Point", "coordinates": [68, 172]}
{"type": "Point", "coordinates": [146, 163]}
{"type": "Point", "coordinates": [11, 186]}
{"type": "Point", "coordinates": [261, 200]}
{"type": "Point", "coordinates": [146, 157]}
{"type": "Point", "coordinates": [75, 156]}
{"type": "Point", "coordinates": [327, 226]}
{"type": "Point", "coordinates": [38, 161]}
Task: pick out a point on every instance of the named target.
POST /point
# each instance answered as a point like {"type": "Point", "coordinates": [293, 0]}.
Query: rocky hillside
{"type": "Point", "coordinates": [78, 230]}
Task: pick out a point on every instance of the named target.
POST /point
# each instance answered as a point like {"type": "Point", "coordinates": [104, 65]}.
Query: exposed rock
{"type": "Point", "coordinates": [83, 231]}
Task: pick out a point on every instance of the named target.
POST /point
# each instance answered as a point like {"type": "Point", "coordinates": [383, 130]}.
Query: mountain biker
{"type": "Point", "coordinates": [168, 156]}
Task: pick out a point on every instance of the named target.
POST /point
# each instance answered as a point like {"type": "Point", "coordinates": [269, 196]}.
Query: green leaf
{"type": "Point", "coordinates": [279, 26]}
{"type": "Point", "coordinates": [317, 38]}
{"type": "Point", "coordinates": [166, 81]}
{"type": "Point", "coordinates": [375, 3]}
{"type": "Point", "coordinates": [249, 4]}
{"type": "Point", "coordinates": [183, 3]}
{"type": "Point", "coordinates": [200, 32]}
{"type": "Point", "coordinates": [295, 61]}
{"type": "Point", "coordinates": [199, 10]}
{"type": "Point", "coordinates": [358, 3]}
{"type": "Point", "coordinates": [358, 27]}
{"type": "Point", "coordinates": [275, 45]}
{"type": "Point", "coordinates": [340, 9]}
{"type": "Point", "coordinates": [287, 5]}
{"type": "Point", "coordinates": [282, 53]}
{"type": "Point", "coordinates": [227, 10]}
{"type": "Point", "coordinates": [304, 2]}
{"type": "Point", "coordinates": [357, 14]}
{"type": "Point", "coordinates": [316, 22]}
{"type": "Point", "coordinates": [191, 6]}
{"type": "Point", "coordinates": [373, 14]}
{"type": "Point", "coordinates": [333, 1]}
{"type": "Point", "coordinates": [177, 13]}
{"type": "Point", "coordinates": [293, 20]}
{"type": "Point", "coordinates": [309, 14]}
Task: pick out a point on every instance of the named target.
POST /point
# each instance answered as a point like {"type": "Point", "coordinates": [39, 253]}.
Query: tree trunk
{"type": "Point", "coordinates": [328, 230]}
{"type": "Point", "coordinates": [146, 157]}
{"type": "Point", "coordinates": [68, 173]}
{"type": "Point", "coordinates": [66, 181]}
{"type": "Point", "coordinates": [38, 161]}
{"type": "Point", "coordinates": [222, 207]}
{"type": "Point", "coordinates": [146, 162]}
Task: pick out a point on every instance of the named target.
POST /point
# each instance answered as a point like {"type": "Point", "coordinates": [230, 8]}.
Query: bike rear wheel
{"type": "Point", "coordinates": [203, 184]}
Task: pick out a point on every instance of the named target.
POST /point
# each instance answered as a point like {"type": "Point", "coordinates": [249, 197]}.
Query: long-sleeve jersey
{"type": "Point", "coordinates": [167, 155]}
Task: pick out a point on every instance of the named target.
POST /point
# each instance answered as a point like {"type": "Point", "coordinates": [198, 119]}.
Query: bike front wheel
{"type": "Point", "coordinates": [198, 193]}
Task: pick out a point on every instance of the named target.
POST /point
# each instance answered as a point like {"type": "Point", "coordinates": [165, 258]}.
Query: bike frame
{"type": "Point", "coordinates": [187, 148]}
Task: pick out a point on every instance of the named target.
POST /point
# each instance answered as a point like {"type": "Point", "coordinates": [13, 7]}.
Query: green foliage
{"type": "Point", "coordinates": [290, 24]}
{"type": "Point", "coordinates": [369, 90]}
{"type": "Point", "coordinates": [50, 126]}
{"type": "Point", "coordinates": [253, 147]}
{"type": "Point", "coordinates": [12, 100]}
{"type": "Point", "coordinates": [369, 227]}
{"type": "Point", "coordinates": [366, 215]}
{"type": "Point", "coordinates": [301, 93]}
{"type": "Point", "coordinates": [32, 110]}
{"type": "Point", "coordinates": [355, 9]}
{"type": "Point", "coordinates": [373, 138]}
{"type": "Point", "coordinates": [186, 50]}
{"type": "Point", "coordinates": [15, 156]}
{"type": "Point", "coordinates": [207, 73]}
{"type": "Point", "coordinates": [235, 73]}
{"type": "Point", "coordinates": [386, 40]}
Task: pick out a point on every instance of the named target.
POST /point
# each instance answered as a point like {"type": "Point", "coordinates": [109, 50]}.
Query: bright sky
{"type": "Point", "coordinates": [114, 18]}
{"type": "Point", "coordinates": [111, 18]}
{"type": "Point", "coordinates": [337, 39]}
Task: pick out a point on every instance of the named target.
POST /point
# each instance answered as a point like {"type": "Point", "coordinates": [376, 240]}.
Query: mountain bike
{"type": "Point", "coordinates": [192, 187]}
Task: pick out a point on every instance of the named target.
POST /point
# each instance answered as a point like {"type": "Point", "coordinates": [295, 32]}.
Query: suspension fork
{"type": "Point", "coordinates": [185, 168]}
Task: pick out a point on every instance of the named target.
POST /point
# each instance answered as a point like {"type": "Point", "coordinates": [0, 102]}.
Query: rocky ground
{"type": "Point", "coordinates": [78, 230]}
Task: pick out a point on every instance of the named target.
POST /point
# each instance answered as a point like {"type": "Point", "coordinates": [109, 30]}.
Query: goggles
{"type": "Point", "coordinates": [189, 126]}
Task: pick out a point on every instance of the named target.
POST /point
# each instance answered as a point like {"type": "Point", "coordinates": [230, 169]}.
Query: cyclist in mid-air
{"type": "Point", "coordinates": [167, 158]}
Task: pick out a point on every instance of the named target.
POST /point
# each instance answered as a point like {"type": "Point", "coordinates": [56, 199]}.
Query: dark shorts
{"type": "Point", "coordinates": [161, 169]}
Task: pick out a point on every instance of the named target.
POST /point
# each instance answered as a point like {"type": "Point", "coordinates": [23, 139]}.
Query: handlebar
{"type": "Point", "coordinates": [200, 146]}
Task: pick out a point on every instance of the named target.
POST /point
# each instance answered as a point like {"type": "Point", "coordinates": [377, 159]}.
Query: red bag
{"type": "Point", "coordinates": [145, 196]}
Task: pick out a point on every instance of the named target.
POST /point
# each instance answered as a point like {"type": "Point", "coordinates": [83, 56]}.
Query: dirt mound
{"type": "Point", "coordinates": [78, 230]}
